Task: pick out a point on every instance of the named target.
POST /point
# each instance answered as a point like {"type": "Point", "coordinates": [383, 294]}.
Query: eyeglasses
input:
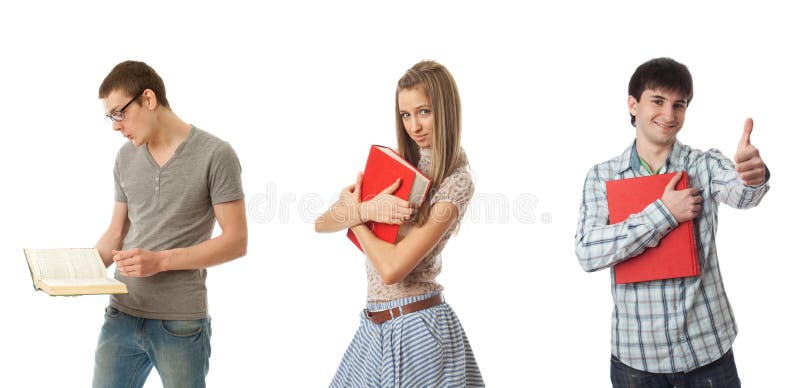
{"type": "Point", "coordinates": [119, 115]}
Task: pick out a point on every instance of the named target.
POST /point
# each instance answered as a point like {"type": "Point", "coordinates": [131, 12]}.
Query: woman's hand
{"type": "Point", "coordinates": [384, 207]}
{"type": "Point", "coordinates": [349, 211]}
{"type": "Point", "coordinates": [351, 195]}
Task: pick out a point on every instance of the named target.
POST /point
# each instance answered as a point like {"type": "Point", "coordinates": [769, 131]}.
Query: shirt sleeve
{"type": "Point", "coordinates": [599, 245]}
{"type": "Point", "coordinates": [119, 189]}
{"type": "Point", "coordinates": [225, 176]}
{"type": "Point", "coordinates": [727, 187]}
{"type": "Point", "coordinates": [456, 189]}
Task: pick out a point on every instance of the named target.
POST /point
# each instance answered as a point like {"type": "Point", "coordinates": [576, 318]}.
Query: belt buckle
{"type": "Point", "coordinates": [369, 316]}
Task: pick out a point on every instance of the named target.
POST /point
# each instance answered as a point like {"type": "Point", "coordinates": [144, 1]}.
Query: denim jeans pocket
{"type": "Point", "coordinates": [182, 328]}
{"type": "Point", "coordinates": [112, 312]}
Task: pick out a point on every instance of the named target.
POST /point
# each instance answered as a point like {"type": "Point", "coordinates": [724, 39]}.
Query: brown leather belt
{"type": "Point", "coordinates": [382, 316]}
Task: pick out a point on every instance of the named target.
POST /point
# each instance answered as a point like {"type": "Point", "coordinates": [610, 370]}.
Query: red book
{"type": "Point", "coordinates": [675, 256]}
{"type": "Point", "coordinates": [384, 167]}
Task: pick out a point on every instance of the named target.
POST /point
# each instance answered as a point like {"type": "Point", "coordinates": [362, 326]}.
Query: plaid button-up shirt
{"type": "Point", "coordinates": [673, 325]}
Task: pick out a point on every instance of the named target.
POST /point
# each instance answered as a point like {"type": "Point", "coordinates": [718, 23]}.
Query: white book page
{"type": "Point", "coordinates": [81, 282]}
{"type": "Point", "coordinates": [418, 188]}
{"type": "Point", "coordinates": [395, 156]}
{"type": "Point", "coordinates": [67, 264]}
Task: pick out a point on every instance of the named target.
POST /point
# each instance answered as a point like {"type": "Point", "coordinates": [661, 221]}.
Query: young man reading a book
{"type": "Point", "coordinates": [172, 182]}
{"type": "Point", "coordinates": [675, 331]}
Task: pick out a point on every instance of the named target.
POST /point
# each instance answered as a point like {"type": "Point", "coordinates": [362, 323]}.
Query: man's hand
{"type": "Point", "coordinates": [684, 204]}
{"type": "Point", "coordinates": [139, 262]}
{"type": "Point", "coordinates": [748, 161]}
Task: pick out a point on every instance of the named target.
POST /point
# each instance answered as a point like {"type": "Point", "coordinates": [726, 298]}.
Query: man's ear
{"type": "Point", "coordinates": [633, 105]}
{"type": "Point", "coordinates": [149, 99]}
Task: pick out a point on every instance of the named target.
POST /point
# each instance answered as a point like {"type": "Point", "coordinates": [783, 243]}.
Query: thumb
{"type": "Point", "coordinates": [391, 189]}
{"type": "Point", "coordinates": [748, 129]}
{"type": "Point", "coordinates": [673, 182]}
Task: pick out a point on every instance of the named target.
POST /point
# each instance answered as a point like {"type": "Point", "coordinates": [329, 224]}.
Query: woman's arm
{"type": "Point", "coordinates": [342, 215]}
{"type": "Point", "coordinates": [349, 211]}
{"type": "Point", "coordinates": [395, 261]}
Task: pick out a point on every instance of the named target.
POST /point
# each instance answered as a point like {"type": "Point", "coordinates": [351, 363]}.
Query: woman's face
{"type": "Point", "coordinates": [417, 115]}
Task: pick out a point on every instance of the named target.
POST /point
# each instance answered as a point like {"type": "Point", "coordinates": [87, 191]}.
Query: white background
{"type": "Point", "coordinates": [302, 90]}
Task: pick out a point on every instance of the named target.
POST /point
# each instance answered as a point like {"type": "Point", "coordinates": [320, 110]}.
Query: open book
{"type": "Point", "coordinates": [384, 166]}
{"type": "Point", "coordinates": [71, 271]}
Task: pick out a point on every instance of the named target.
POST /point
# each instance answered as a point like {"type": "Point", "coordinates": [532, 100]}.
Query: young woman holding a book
{"type": "Point", "coordinates": [408, 335]}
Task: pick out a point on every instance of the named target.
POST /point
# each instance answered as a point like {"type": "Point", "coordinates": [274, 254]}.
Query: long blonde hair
{"type": "Point", "coordinates": [446, 155]}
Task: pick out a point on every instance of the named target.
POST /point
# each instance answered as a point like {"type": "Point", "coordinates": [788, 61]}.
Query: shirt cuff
{"type": "Point", "coordinates": [766, 180]}
{"type": "Point", "coordinates": [661, 218]}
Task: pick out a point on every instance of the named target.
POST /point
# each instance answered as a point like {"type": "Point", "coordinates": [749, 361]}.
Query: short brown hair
{"type": "Point", "coordinates": [132, 78]}
{"type": "Point", "coordinates": [661, 73]}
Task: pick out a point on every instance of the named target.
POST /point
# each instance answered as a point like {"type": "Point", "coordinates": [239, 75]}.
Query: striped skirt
{"type": "Point", "coordinates": [427, 348]}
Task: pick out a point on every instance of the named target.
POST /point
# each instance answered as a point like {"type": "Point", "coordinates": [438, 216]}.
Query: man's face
{"type": "Point", "coordinates": [659, 116]}
{"type": "Point", "coordinates": [133, 126]}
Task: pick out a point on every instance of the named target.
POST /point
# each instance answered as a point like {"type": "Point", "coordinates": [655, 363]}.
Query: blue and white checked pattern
{"type": "Point", "coordinates": [427, 348]}
{"type": "Point", "coordinates": [673, 325]}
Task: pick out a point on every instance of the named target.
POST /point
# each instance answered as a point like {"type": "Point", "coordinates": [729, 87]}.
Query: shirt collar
{"type": "Point", "coordinates": [630, 159]}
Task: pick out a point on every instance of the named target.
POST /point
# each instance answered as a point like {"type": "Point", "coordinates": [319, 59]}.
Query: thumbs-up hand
{"type": "Point", "coordinates": [748, 161]}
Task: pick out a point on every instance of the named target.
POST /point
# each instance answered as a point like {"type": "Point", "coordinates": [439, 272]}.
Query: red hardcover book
{"type": "Point", "coordinates": [384, 166]}
{"type": "Point", "coordinates": [675, 256]}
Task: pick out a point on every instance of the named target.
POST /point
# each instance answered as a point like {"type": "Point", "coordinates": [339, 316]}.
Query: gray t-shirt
{"type": "Point", "coordinates": [172, 207]}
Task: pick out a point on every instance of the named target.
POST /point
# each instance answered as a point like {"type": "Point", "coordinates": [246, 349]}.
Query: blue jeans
{"type": "Point", "coordinates": [129, 347]}
{"type": "Point", "coordinates": [720, 373]}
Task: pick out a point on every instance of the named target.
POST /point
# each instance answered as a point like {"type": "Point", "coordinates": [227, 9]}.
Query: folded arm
{"type": "Point", "coordinates": [229, 245]}
{"type": "Point", "coordinates": [349, 211]}
{"type": "Point", "coordinates": [395, 261]}
{"type": "Point", "coordinates": [599, 245]}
